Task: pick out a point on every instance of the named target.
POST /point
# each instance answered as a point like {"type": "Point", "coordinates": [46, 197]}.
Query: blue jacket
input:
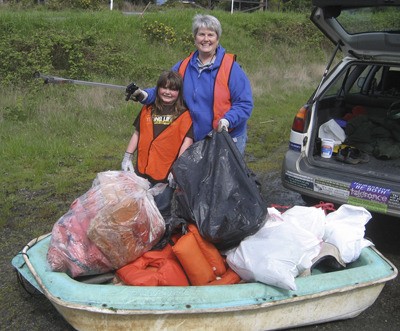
{"type": "Point", "coordinates": [198, 92]}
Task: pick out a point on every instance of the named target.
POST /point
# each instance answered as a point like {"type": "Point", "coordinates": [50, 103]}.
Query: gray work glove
{"type": "Point", "coordinates": [139, 95]}
{"type": "Point", "coordinates": [126, 164]}
{"type": "Point", "coordinates": [223, 124]}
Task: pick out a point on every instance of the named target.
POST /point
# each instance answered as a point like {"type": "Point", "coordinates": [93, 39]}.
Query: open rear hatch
{"type": "Point", "coordinates": [362, 28]}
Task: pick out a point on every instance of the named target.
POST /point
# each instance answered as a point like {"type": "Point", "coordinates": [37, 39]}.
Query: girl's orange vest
{"type": "Point", "coordinates": [156, 156]}
{"type": "Point", "coordinates": [222, 95]}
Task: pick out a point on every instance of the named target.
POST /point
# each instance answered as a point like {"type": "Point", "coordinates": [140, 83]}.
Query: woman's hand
{"type": "Point", "coordinates": [223, 124]}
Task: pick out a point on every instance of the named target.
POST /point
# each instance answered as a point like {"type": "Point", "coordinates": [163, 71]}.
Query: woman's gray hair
{"type": "Point", "coordinates": [207, 22]}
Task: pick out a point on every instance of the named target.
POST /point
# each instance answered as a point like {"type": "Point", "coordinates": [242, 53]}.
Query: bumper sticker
{"type": "Point", "coordinates": [370, 192]}
{"type": "Point", "coordinates": [394, 201]}
{"type": "Point", "coordinates": [369, 196]}
{"type": "Point", "coordinates": [295, 147]}
{"type": "Point", "coordinates": [299, 180]}
{"type": "Point", "coordinates": [331, 188]}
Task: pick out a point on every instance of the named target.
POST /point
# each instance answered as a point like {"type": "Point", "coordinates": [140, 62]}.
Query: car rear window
{"type": "Point", "coordinates": [364, 20]}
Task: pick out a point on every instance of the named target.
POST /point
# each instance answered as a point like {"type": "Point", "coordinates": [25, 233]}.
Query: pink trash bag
{"type": "Point", "coordinates": [112, 224]}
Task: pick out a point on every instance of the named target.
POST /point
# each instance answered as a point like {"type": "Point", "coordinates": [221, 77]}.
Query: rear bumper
{"type": "Point", "coordinates": [335, 185]}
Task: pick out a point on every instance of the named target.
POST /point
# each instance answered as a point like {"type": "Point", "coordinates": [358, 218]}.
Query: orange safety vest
{"type": "Point", "coordinates": [222, 96]}
{"type": "Point", "coordinates": [156, 155]}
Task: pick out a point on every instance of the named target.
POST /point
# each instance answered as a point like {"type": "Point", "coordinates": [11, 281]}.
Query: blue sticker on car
{"type": "Point", "coordinates": [294, 147]}
{"type": "Point", "coordinates": [371, 197]}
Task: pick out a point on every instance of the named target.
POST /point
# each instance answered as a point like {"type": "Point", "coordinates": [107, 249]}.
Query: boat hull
{"type": "Point", "coordinates": [319, 298]}
{"type": "Point", "coordinates": [327, 308]}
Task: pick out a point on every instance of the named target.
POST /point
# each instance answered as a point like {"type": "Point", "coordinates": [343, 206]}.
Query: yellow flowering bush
{"type": "Point", "coordinates": [160, 32]}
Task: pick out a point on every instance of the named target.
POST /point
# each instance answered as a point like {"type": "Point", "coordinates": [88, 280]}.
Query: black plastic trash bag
{"type": "Point", "coordinates": [218, 192]}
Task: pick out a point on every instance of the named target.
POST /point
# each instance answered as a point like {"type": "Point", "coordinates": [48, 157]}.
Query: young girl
{"type": "Point", "coordinates": [163, 132]}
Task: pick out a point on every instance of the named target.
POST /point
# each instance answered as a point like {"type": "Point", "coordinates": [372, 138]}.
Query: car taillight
{"type": "Point", "coordinates": [299, 120]}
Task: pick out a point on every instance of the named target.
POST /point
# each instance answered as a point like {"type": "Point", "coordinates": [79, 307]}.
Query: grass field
{"type": "Point", "coordinates": [54, 139]}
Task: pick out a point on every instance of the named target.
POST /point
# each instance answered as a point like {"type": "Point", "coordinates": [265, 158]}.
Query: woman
{"type": "Point", "coordinates": [163, 132]}
{"type": "Point", "coordinates": [216, 89]}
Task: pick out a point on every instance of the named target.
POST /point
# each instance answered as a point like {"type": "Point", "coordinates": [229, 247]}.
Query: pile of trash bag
{"type": "Point", "coordinates": [289, 243]}
{"type": "Point", "coordinates": [220, 232]}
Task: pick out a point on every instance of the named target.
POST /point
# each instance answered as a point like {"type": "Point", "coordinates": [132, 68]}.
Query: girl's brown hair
{"type": "Point", "coordinates": [172, 80]}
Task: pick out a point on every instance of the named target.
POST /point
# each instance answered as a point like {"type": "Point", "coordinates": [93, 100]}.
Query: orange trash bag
{"type": "Point", "coordinates": [154, 268]}
{"type": "Point", "coordinates": [201, 260]}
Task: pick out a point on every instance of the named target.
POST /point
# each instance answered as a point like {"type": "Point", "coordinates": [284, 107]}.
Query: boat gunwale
{"type": "Point", "coordinates": [123, 311]}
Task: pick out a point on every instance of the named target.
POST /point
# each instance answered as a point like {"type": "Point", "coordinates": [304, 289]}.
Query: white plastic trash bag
{"type": "Point", "coordinates": [282, 249]}
{"type": "Point", "coordinates": [310, 218]}
{"type": "Point", "coordinates": [332, 130]}
{"type": "Point", "coordinates": [345, 228]}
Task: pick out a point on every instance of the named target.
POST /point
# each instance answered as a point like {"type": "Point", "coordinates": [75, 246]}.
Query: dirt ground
{"type": "Point", "coordinates": [21, 311]}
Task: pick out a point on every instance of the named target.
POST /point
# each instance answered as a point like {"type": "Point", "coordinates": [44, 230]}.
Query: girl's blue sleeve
{"type": "Point", "coordinates": [151, 98]}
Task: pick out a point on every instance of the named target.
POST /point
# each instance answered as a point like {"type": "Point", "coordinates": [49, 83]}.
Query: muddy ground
{"type": "Point", "coordinates": [21, 311]}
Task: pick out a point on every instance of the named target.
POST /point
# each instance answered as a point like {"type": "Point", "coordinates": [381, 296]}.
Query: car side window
{"type": "Point", "coordinates": [335, 88]}
{"type": "Point", "coordinates": [391, 81]}
{"type": "Point", "coordinates": [363, 82]}
{"type": "Point", "coordinates": [377, 88]}
{"type": "Point", "coordinates": [347, 82]}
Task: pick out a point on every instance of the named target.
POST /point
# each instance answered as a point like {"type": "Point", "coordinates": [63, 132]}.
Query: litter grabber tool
{"type": "Point", "coordinates": [129, 90]}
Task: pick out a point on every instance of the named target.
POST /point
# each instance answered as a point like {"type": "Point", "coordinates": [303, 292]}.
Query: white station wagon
{"type": "Point", "coordinates": [345, 141]}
